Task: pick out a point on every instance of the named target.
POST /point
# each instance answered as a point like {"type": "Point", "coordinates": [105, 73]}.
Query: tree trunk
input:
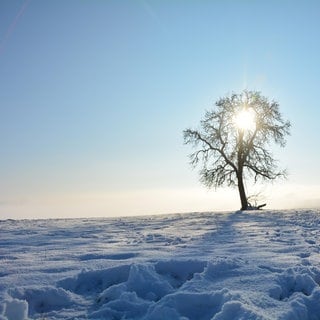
{"type": "Point", "coordinates": [242, 192]}
{"type": "Point", "coordinates": [241, 160]}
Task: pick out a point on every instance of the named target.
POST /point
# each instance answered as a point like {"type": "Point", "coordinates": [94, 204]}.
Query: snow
{"type": "Point", "coordinates": [197, 266]}
{"type": "Point", "coordinates": [15, 309]}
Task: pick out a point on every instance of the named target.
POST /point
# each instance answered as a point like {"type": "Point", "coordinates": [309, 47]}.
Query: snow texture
{"type": "Point", "coordinates": [198, 266]}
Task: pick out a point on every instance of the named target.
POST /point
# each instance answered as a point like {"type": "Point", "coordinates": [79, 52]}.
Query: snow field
{"type": "Point", "coordinates": [257, 265]}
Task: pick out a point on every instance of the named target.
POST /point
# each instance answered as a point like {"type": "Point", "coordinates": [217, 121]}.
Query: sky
{"type": "Point", "coordinates": [95, 95]}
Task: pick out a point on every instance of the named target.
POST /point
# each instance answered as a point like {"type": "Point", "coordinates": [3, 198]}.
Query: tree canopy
{"type": "Point", "coordinates": [234, 139]}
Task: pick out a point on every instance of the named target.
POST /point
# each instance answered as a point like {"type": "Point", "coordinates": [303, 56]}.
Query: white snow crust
{"type": "Point", "coordinates": [197, 266]}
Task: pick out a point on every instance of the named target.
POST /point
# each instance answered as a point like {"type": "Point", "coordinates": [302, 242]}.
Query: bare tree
{"type": "Point", "coordinates": [233, 142]}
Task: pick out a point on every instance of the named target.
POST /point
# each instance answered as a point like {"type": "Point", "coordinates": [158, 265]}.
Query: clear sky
{"type": "Point", "coordinates": [95, 95]}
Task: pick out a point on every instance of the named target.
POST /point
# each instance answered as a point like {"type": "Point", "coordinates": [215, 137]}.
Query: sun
{"type": "Point", "coordinates": [245, 120]}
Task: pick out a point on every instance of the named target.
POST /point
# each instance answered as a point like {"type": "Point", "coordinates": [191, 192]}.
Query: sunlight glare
{"type": "Point", "coordinates": [245, 120]}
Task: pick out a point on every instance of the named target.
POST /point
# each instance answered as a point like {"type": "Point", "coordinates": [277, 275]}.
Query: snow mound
{"type": "Point", "coordinates": [189, 305]}
{"type": "Point", "coordinates": [178, 272]}
{"type": "Point", "coordinates": [296, 281]}
{"type": "Point", "coordinates": [45, 298]}
{"type": "Point", "coordinates": [15, 309]}
{"type": "Point", "coordinates": [299, 287]}
{"type": "Point", "coordinates": [235, 310]}
{"type": "Point", "coordinates": [90, 282]}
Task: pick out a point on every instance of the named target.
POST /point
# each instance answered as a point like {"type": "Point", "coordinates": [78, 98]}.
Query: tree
{"type": "Point", "coordinates": [233, 141]}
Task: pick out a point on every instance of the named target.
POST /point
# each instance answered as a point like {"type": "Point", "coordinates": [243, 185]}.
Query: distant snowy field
{"type": "Point", "coordinates": [251, 265]}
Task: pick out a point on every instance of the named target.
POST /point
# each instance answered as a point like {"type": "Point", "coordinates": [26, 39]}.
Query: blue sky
{"type": "Point", "coordinates": [95, 96]}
